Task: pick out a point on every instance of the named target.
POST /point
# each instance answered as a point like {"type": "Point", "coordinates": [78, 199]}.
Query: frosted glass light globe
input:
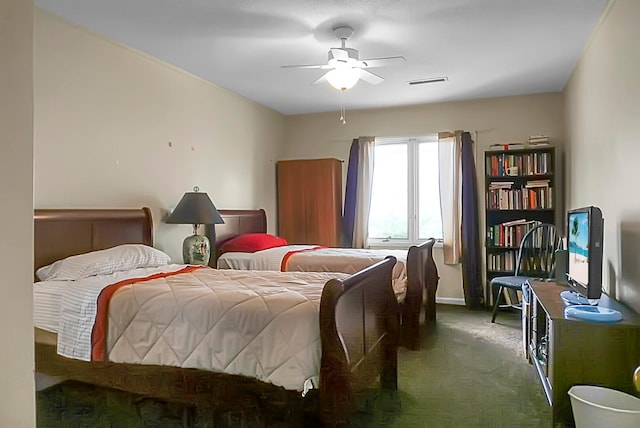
{"type": "Point", "coordinates": [343, 78]}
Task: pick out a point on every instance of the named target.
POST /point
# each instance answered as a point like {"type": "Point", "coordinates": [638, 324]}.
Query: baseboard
{"type": "Point", "coordinates": [450, 300]}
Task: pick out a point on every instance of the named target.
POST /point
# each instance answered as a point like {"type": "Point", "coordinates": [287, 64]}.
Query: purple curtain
{"type": "Point", "coordinates": [471, 267]}
{"type": "Point", "coordinates": [351, 188]}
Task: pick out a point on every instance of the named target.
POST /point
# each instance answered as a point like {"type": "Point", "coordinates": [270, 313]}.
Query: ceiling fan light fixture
{"type": "Point", "coordinates": [343, 78]}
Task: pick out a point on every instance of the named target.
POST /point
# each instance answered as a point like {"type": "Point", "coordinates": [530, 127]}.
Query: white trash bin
{"type": "Point", "coordinates": [598, 407]}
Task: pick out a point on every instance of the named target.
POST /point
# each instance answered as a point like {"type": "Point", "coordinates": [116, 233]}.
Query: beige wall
{"type": "Point", "coordinates": [495, 120]}
{"type": "Point", "coordinates": [17, 403]}
{"type": "Point", "coordinates": [602, 103]}
{"type": "Point", "coordinates": [105, 115]}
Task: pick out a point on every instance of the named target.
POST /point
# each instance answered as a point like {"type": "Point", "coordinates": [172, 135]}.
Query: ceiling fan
{"type": "Point", "coordinates": [345, 69]}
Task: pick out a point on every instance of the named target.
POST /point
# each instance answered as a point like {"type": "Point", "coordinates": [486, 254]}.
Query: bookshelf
{"type": "Point", "coordinates": [519, 192]}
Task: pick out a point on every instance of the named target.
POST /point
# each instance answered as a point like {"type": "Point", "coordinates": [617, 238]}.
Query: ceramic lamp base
{"type": "Point", "coordinates": [196, 250]}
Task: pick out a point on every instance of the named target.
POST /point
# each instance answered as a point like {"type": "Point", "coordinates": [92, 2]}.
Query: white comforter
{"type": "Point", "coordinates": [254, 323]}
{"type": "Point", "coordinates": [269, 259]}
{"type": "Point", "coordinates": [347, 260]}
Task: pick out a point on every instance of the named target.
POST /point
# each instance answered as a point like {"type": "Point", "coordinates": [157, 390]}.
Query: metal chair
{"type": "Point", "coordinates": [535, 260]}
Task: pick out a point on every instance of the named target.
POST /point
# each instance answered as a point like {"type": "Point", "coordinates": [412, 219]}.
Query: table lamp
{"type": "Point", "coordinates": [195, 208]}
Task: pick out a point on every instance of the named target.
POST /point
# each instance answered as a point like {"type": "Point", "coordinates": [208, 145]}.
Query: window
{"type": "Point", "coordinates": [405, 198]}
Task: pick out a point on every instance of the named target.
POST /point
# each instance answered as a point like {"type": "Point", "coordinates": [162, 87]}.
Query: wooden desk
{"type": "Point", "coordinates": [569, 352]}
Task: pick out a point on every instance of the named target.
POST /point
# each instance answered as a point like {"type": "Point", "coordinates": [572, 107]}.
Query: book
{"type": "Point", "coordinates": [508, 146]}
{"type": "Point", "coordinates": [500, 185]}
{"type": "Point", "coordinates": [538, 139]}
{"type": "Point", "coordinates": [515, 222]}
{"type": "Point", "coordinates": [537, 183]}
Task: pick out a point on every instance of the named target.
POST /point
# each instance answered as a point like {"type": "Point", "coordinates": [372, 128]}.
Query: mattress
{"type": "Point", "coordinates": [310, 258]}
{"type": "Point", "coordinates": [262, 324]}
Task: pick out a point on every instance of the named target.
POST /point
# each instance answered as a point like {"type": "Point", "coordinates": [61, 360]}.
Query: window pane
{"type": "Point", "coordinates": [430, 221]}
{"type": "Point", "coordinates": [388, 215]}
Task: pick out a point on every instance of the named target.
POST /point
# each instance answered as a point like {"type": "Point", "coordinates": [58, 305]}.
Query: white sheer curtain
{"type": "Point", "coordinates": [450, 167]}
{"type": "Point", "coordinates": [363, 195]}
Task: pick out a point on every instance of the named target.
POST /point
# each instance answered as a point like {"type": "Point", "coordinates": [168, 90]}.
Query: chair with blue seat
{"type": "Point", "coordinates": [536, 259]}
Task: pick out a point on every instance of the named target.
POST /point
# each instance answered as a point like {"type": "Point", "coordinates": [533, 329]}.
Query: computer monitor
{"type": "Point", "coordinates": [585, 229]}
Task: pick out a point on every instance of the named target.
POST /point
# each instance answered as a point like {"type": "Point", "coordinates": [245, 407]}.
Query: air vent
{"type": "Point", "coordinates": [432, 80]}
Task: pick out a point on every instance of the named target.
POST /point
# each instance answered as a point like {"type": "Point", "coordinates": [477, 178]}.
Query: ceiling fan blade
{"type": "Point", "coordinates": [305, 66]}
{"type": "Point", "coordinates": [381, 62]}
{"type": "Point", "coordinates": [369, 77]}
{"type": "Point", "coordinates": [321, 79]}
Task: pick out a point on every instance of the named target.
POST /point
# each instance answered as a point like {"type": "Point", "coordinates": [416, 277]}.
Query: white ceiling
{"type": "Point", "coordinates": [486, 48]}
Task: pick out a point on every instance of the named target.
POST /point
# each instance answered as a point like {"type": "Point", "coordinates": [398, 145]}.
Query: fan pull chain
{"type": "Point", "coordinates": [343, 112]}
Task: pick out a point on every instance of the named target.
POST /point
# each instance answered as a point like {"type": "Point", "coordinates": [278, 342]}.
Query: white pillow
{"type": "Point", "coordinates": [103, 262]}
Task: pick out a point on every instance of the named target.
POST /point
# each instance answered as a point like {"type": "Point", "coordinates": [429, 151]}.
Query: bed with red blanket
{"type": "Point", "coordinates": [414, 277]}
{"type": "Point", "coordinates": [192, 335]}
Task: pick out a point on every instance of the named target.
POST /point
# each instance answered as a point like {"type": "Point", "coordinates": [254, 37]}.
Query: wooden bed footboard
{"type": "Point", "coordinates": [359, 321]}
{"type": "Point", "coordinates": [422, 284]}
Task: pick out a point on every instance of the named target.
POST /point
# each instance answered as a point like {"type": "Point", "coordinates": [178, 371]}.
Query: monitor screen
{"type": "Point", "coordinates": [585, 229]}
{"type": "Point", "coordinates": [578, 246]}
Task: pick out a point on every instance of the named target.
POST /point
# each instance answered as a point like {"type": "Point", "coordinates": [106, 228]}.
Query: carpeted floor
{"type": "Point", "coordinates": [469, 373]}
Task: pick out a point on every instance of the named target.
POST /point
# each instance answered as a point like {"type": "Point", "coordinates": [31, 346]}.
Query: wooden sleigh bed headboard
{"type": "Point", "coordinates": [236, 222]}
{"type": "Point", "coordinates": [358, 325]}
{"type": "Point", "coordinates": [59, 233]}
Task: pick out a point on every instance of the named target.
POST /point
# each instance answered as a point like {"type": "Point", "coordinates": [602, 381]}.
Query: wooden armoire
{"type": "Point", "coordinates": [310, 201]}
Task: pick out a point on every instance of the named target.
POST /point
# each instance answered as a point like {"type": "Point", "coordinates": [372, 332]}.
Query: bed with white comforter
{"type": "Point", "coordinates": [186, 332]}
{"type": "Point", "coordinates": [313, 258]}
{"type": "Point", "coordinates": [260, 324]}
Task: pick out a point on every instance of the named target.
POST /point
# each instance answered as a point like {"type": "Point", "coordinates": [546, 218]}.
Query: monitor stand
{"type": "Point", "coordinates": [572, 298]}
{"type": "Point", "coordinates": [592, 313]}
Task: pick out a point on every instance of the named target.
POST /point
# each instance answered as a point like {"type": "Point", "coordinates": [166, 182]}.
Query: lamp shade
{"type": "Point", "coordinates": [195, 208]}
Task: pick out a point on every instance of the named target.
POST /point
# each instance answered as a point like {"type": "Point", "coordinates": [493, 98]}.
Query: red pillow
{"type": "Point", "coordinates": [252, 242]}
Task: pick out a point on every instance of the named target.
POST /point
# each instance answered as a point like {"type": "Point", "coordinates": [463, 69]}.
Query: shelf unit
{"type": "Point", "coordinates": [567, 352]}
{"type": "Point", "coordinates": [519, 191]}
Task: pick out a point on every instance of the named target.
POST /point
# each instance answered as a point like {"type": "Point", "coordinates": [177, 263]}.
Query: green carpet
{"type": "Point", "coordinates": [469, 373]}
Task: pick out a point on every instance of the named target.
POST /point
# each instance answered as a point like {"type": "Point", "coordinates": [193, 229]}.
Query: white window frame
{"type": "Point", "coordinates": [413, 203]}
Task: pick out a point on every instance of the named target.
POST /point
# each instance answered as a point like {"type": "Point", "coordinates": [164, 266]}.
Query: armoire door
{"type": "Point", "coordinates": [310, 201]}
